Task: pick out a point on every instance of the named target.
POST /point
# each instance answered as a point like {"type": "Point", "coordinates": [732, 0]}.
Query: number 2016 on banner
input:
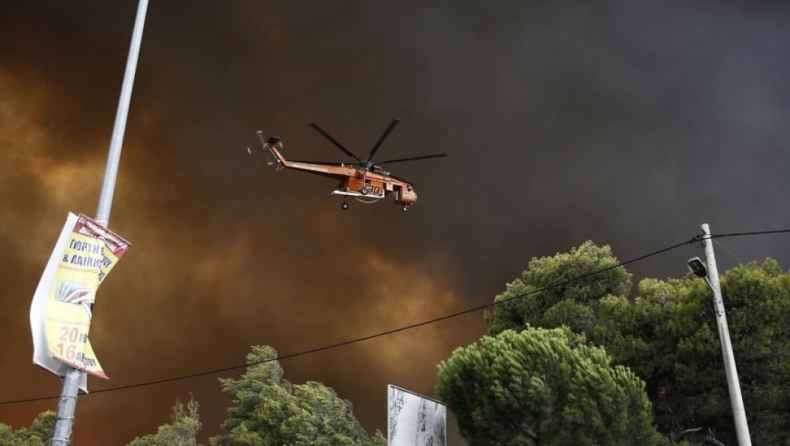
{"type": "Point", "coordinates": [69, 336]}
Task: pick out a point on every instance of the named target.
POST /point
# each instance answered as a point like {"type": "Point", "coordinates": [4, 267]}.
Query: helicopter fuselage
{"type": "Point", "coordinates": [354, 180]}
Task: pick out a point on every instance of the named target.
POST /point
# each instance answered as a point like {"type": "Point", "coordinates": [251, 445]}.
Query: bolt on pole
{"type": "Point", "coordinates": [67, 404]}
{"type": "Point", "coordinates": [733, 385]}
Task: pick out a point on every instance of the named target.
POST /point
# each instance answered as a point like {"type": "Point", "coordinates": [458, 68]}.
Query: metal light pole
{"type": "Point", "coordinates": [68, 395]}
{"type": "Point", "coordinates": [733, 385]}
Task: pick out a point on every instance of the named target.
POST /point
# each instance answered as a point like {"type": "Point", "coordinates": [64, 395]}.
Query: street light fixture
{"type": "Point", "coordinates": [697, 267]}
{"type": "Point", "coordinates": [711, 275]}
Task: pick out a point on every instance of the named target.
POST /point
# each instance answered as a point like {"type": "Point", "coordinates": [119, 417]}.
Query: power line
{"type": "Point", "coordinates": [728, 251]}
{"type": "Point", "coordinates": [407, 327]}
{"type": "Point", "coordinates": [713, 237]}
{"type": "Point", "coordinates": [741, 234]}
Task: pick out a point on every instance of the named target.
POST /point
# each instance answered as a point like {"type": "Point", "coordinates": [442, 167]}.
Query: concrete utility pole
{"type": "Point", "coordinates": [67, 405]}
{"type": "Point", "coordinates": [734, 386]}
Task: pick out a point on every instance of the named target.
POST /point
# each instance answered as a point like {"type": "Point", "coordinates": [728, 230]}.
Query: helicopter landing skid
{"type": "Point", "coordinates": [350, 193]}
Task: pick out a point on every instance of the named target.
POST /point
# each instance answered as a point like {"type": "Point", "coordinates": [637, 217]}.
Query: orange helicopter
{"type": "Point", "coordinates": [365, 181]}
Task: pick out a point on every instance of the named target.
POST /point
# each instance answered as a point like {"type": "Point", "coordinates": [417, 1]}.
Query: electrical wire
{"type": "Point", "coordinates": [728, 251]}
{"type": "Point", "coordinates": [741, 234]}
{"type": "Point", "coordinates": [695, 239]}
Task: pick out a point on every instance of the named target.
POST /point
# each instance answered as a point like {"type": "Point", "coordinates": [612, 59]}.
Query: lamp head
{"type": "Point", "coordinates": [697, 267]}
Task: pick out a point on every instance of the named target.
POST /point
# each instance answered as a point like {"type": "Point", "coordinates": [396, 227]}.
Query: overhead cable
{"type": "Point", "coordinates": [406, 327]}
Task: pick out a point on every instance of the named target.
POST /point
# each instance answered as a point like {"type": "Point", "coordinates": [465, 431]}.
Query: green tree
{"type": "Point", "coordinates": [268, 410]}
{"type": "Point", "coordinates": [667, 336]}
{"type": "Point", "coordinates": [181, 432]}
{"type": "Point", "coordinates": [39, 434]}
{"type": "Point", "coordinates": [560, 290]}
{"type": "Point", "coordinates": [543, 387]}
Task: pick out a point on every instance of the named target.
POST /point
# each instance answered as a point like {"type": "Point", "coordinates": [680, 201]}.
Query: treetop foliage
{"type": "Point", "coordinates": [181, 432]}
{"type": "Point", "coordinates": [560, 290]}
{"type": "Point", "coordinates": [268, 410]}
{"type": "Point", "coordinates": [543, 387]}
{"type": "Point", "coordinates": [39, 434]}
{"type": "Point", "coordinates": [667, 335]}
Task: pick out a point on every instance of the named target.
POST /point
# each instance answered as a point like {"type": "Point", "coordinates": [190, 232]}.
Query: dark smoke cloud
{"type": "Point", "coordinates": [629, 124]}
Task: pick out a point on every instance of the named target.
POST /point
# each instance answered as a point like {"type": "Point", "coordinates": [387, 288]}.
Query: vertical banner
{"type": "Point", "coordinates": [414, 419]}
{"type": "Point", "coordinates": [62, 306]}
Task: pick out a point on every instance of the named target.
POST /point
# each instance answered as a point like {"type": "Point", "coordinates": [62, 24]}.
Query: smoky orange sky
{"type": "Point", "coordinates": [628, 124]}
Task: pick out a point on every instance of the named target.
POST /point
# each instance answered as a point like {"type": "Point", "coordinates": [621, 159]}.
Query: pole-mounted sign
{"type": "Point", "coordinates": [60, 315]}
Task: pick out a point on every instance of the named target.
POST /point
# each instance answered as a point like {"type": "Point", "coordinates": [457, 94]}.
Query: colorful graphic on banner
{"type": "Point", "coordinates": [62, 306]}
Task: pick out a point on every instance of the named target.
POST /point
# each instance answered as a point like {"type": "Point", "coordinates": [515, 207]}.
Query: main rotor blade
{"type": "Point", "coordinates": [325, 163]}
{"type": "Point", "coordinates": [438, 155]}
{"type": "Point", "coordinates": [381, 140]}
{"type": "Point", "coordinates": [337, 144]}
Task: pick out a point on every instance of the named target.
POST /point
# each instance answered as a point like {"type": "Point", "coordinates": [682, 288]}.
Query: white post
{"type": "Point", "coordinates": [64, 421]}
{"type": "Point", "coordinates": [734, 386]}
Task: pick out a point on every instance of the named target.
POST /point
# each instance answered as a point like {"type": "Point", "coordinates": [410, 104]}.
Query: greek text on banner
{"type": "Point", "coordinates": [62, 306]}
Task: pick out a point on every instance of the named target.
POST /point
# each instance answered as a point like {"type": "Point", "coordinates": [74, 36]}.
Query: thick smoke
{"type": "Point", "coordinates": [628, 124]}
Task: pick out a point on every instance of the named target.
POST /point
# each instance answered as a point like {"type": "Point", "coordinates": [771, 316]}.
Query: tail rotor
{"type": "Point", "coordinates": [265, 147]}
